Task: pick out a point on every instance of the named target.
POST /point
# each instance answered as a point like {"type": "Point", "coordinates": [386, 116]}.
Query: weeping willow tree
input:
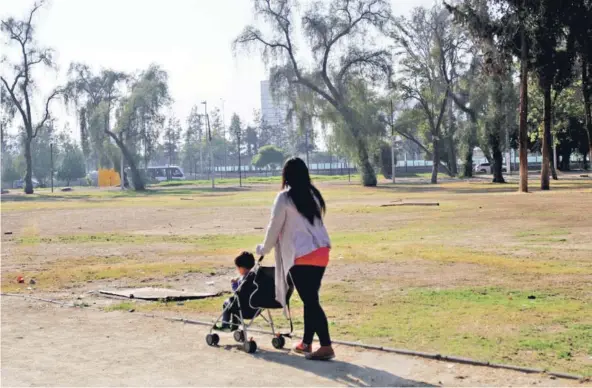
{"type": "Point", "coordinates": [104, 97]}
{"type": "Point", "coordinates": [340, 36]}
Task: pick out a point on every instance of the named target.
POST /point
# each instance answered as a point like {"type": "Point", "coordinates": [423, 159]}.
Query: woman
{"type": "Point", "coordinates": [302, 245]}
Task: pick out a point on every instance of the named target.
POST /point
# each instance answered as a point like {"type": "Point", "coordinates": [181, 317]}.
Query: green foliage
{"type": "Point", "coordinates": [382, 158]}
{"type": "Point", "coordinates": [71, 166]}
{"type": "Point", "coordinates": [269, 156]}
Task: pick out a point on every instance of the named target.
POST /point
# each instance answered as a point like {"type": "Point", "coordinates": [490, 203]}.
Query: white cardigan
{"type": "Point", "coordinates": [292, 236]}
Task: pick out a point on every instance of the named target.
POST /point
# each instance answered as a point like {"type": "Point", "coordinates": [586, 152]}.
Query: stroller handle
{"type": "Point", "coordinates": [261, 258]}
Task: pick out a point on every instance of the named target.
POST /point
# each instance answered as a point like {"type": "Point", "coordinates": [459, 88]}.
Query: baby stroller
{"type": "Point", "coordinates": [254, 295]}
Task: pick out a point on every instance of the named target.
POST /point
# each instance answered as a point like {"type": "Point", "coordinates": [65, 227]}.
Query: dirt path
{"type": "Point", "coordinates": [49, 345]}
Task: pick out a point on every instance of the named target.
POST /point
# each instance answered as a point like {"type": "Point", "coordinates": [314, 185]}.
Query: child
{"type": "Point", "coordinates": [244, 262]}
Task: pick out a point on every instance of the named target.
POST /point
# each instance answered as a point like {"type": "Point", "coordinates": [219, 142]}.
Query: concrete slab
{"type": "Point", "coordinates": [149, 293]}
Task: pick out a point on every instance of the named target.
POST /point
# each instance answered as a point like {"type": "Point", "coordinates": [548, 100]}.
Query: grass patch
{"type": "Point", "coordinates": [489, 323]}
{"type": "Point", "coordinates": [123, 306]}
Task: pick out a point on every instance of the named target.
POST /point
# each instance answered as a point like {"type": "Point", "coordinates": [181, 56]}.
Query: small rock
{"type": "Point", "coordinates": [30, 288]}
{"type": "Point", "coordinates": [460, 377]}
{"type": "Point", "coordinates": [553, 378]}
{"type": "Point", "coordinates": [131, 310]}
{"type": "Point", "coordinates": [531, 297]}
{"type": "Point", "coordinates": [180, 304]}
{"type": "Point", "coordinates": [32, 281]}
{"type": "Point", "coordinates": [8, 233]}
{"type": "Point", "coordinates": [20, 279]}
{"type": "Point", "coordinates": [67, 189]}
{"type": "Point", "coordinates": [210, 283]}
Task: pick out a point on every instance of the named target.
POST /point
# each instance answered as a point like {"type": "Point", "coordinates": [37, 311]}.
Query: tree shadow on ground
{"type": "Point", "coordinates": [160, 191]}
{"type": "Point", "coordinates": [340, 371]}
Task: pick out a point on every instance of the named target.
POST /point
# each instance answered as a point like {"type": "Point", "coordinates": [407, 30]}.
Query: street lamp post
{"type": "Point", "coordinates": [205, 103]}
{"type": "Point", "coordinates": [393, 163]}
{"type": "Point", "coordinates": [224, 135]}
{"type": "Point", "coordinates": [240, 174]}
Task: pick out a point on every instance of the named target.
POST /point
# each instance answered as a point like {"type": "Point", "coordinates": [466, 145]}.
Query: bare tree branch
{"type": "Point", "coordinates": [47, 115]}
{"type": "Point", "coordinates": [15, 100]}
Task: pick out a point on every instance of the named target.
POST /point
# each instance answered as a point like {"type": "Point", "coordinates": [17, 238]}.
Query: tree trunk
{"type": "Point", "coordinates": [452, 163]}
{"type": "Point", "coordinates": [29, 163]}
{"type": "Point", "coordinates": [565, 155]}
{"type": "Point", "coordinates": [553, 167]}
{"type": "Point", "coordinates": [495, 132]}
{"type": "Point", "coordinates": [497, 159]}
{"type": "Point", "coordinates": [435, 160]}
{"type": "Point", "coordinates": [136, 176]}
{"type": "Point", "coordinates": [523, 128]}
{"type": "Point", "coordinates": [546, 147]}
{"type": "Point", "coordinates": [587, 91]}
{"type": "Point", "coordinates": [468, 167]}
{"type": "Point", "coordinates": [367, 173]}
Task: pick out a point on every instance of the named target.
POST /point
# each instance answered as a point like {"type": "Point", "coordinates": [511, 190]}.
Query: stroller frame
{"type": "Point", "coordinates": [241, 334]}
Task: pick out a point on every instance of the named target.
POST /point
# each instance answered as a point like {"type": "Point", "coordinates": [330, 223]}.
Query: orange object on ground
{"type": "Point", "coordinates": [20, 279]}
{"type": "Point", "coordinates": [318, 258]}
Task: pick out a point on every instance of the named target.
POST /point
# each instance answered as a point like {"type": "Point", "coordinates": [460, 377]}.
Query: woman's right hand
{"type": "Point", "coordinates": [259, 250]}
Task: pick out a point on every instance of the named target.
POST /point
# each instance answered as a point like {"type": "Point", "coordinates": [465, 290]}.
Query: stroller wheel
{"type": "Point", "coordinates": [239, 336]}
{"type": "Point", "coordinates": [212, 339]}
{"type": "Point", "coordinates": [250, 347]}
{"type": "Point", "coordinates": [278, 342]}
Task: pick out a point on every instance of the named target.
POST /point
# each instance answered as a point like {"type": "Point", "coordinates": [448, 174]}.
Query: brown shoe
{"type": "Point", "coordinates": [324, 353]}
{"type": "Point", "coordinates": [302, 348]}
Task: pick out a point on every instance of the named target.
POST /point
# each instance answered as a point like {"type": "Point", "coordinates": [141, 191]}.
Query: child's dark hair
{"type": "Point", "coordinates": [245, 260]}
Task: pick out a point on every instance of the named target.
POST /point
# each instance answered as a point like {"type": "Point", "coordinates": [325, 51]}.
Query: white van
{"type": "Point", "coordinates": [164, 173]}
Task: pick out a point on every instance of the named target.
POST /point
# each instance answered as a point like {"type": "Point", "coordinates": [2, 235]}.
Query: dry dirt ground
{"type": "Point", "coordinates": [488, 274]}
{"type": "Point", "coordinates": [48, 345]}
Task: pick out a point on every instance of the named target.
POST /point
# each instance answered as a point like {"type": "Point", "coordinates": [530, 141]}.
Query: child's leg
{"type": "Point", "coordinates": [227, 314]}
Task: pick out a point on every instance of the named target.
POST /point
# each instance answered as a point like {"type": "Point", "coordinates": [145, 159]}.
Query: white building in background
{"type": "Point", "coordinates": [272, 112]}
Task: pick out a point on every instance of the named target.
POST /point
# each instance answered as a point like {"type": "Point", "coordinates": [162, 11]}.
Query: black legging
{"type": "Point", "coordinates": [307, 280]}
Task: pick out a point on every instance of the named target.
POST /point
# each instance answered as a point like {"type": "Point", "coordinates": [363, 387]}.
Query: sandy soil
{"type": "Point", "coordinates": [59, 346]}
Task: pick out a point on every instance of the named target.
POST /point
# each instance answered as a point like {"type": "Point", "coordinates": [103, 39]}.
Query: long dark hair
{"type": "Point", "coordinates": [301, 191]}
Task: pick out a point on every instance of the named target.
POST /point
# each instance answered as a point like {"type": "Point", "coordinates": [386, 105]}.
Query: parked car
{"type": "Point", "coordinates": [485, 168]}
{"type": "Point", "coordinates": [20, 183]}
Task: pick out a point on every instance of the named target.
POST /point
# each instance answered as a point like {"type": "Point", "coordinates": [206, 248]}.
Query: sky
{"type": "Point", "coordinates": [190, 39]}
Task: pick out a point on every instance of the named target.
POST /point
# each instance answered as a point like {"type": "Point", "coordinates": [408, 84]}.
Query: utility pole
{"type": "Point", "coordinates": [201, 171]}
{"type": "Point", "coordinates": [393, 163]}
{"type": "Point", "coordinates": [51, 161]}
{"type": "Point", "coordinates": [224, 135]}
{"type": "Point", "coordinates": [205, 103]}
{"type": "Point", "coordinates": [240, 174]}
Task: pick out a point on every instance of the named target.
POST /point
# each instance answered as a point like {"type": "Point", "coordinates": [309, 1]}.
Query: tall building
{"type": "Point", "coordinates": [272, 112]}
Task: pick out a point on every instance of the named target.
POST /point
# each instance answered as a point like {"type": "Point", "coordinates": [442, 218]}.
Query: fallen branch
{"type": "Point", "coordinates": [411, 204]}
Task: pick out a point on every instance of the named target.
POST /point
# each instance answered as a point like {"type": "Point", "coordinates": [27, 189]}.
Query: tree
{"type": "Point", "coordinates": [552, 63]}
{"type": "Point", "coordinates": [141, 106]}
{"type": "Point", "coordinates": [172, 136]}
{"type": "Point", "coordinates": [20, 86]}
{"type": "Point", "coordinates": [41, 154]}
{"type": "Point", "coordinates": [192, 146]}
{"type": "Point", "coordinates": [269, 156]}
{"type": "Point", "coordinates": [72, 163]}
{"type": "Point", "coordinates": [328, 26]}
{"type": "Point", "coordinates": [99, 95]}
{"type": "Point", "coordinates": [251, 141]}
{"type": "Point", "coordinates": [236, 133]}
{"type": "Point", "coordinates": [580, 24]}
{"type": "Point", "coordinates": [7, 112]}
{"type": "Point", "coordinates": [493, 28]}
{"type": "Point", "coordinates": [425, 45]}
